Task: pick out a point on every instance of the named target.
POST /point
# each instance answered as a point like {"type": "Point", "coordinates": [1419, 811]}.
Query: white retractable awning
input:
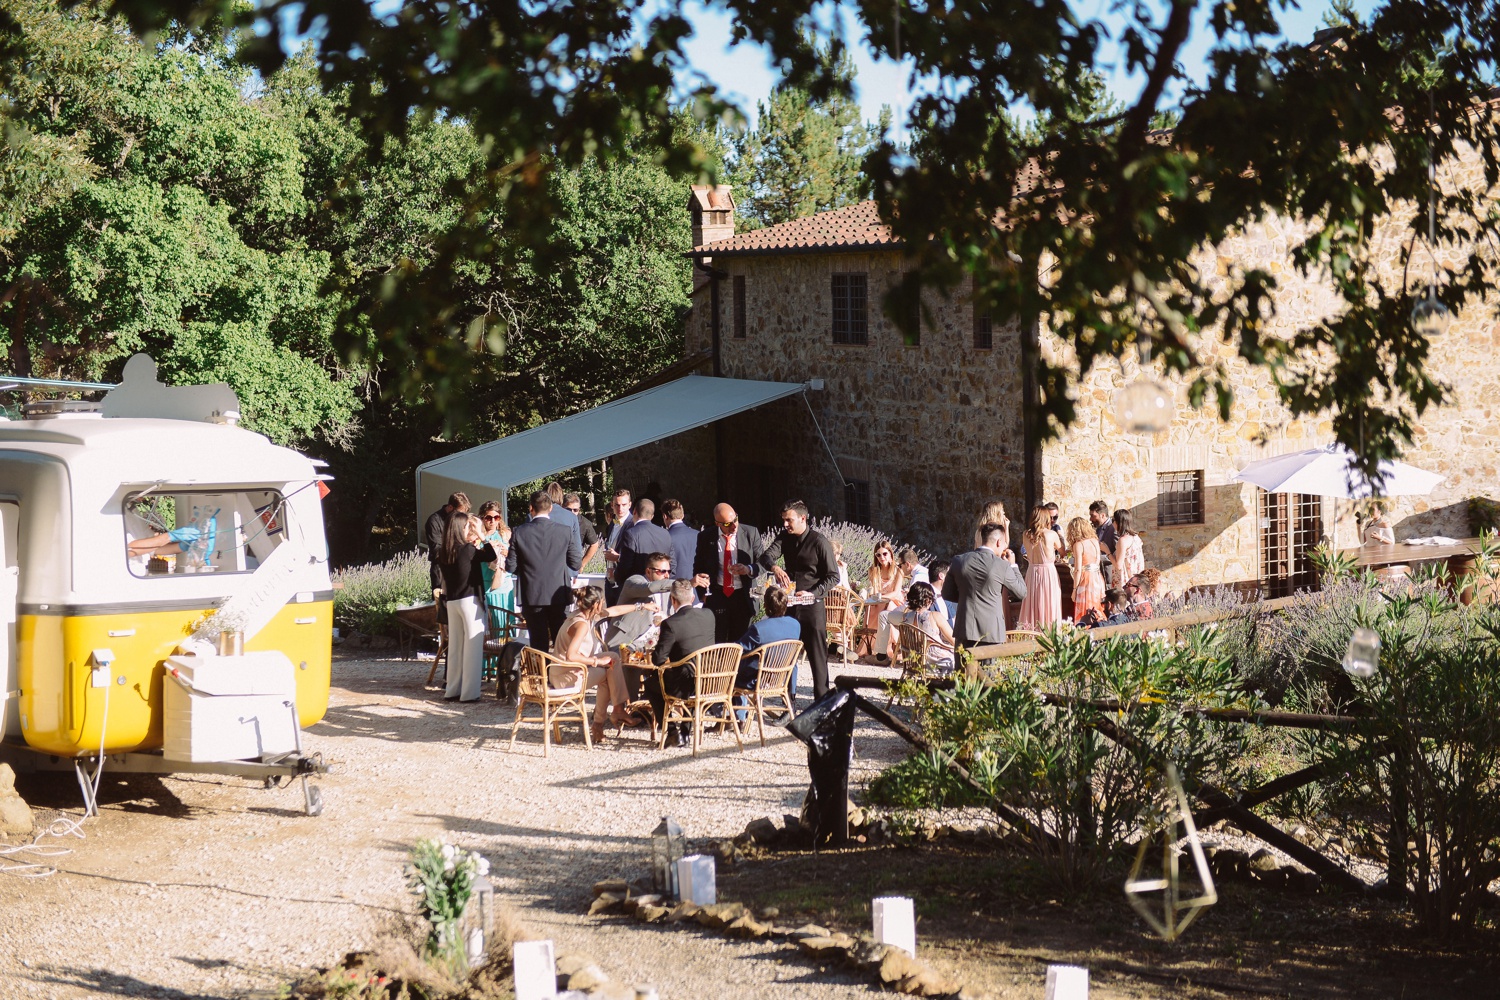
{"type": "Point", "coordinates": [488, 471]}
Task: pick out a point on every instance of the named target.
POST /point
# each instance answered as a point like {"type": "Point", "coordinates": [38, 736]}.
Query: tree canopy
{"type": "Point", "coordinates": [1274, 128]}
{"type": "Point", "coordinates": [806, 154]}
{"type": "Point", "coordinates": [1338, 135]}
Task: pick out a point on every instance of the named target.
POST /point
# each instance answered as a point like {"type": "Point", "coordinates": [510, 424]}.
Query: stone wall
{"type": "Point", "coordinates": [1095, 459]}
{"type": "Point", "coordinates": [933, 428]}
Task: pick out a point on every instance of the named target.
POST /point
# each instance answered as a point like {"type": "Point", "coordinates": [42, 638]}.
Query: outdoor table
{"type": "Point", "coordinates": [1459, 557]}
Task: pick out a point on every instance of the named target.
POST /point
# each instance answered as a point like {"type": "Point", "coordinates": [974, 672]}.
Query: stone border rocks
{"type": "Point", "coordinates": [887, 966]}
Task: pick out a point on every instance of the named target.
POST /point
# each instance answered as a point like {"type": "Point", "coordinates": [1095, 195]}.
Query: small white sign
{"type": "Point", "coordinates": [1067, 982]}
{"type": "Point", "coordinates": [695, 879]}
{"type": "Point", "coordinates": [895, 923]}
{"type": "Point", "coordinates": [535, 970]}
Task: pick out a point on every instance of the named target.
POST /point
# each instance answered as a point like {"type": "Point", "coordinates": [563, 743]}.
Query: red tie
{"type": "Point", "coordinates": [728, 577]}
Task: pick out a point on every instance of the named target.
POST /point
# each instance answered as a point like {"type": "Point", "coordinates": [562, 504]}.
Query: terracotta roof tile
{"type": "Point", "coordinates": [853, 227]}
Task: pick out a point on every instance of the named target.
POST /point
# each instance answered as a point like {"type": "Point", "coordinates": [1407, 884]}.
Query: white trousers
{"type": "Point", "coordinates": [465, 648]}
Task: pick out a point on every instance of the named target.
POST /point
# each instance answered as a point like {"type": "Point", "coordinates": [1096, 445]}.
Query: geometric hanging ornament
{"type": "Point", "coordinates": [1173, 914]}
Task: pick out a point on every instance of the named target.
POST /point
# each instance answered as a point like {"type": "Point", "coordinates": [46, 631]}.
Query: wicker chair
{"type": "Point", "coordinates": [844, 611]}
{"type": "Point", "coordinates": [714, 668]}
{"type": "Point", "coordinates": [914, 653]}
{"type": "Point", "coordinates": [1022, 635]}
{"type": "Point", "coordinates": [535, 690]}
{"type": "Point", "coordinates": [773, 680]}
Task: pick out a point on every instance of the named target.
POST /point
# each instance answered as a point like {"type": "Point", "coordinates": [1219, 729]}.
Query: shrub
{"type": "Point", "coordinates": [366, 597]}
{"type": "Point", "coordinates": [1049, 759]}
{"type": "Point", "coordinates": [1417, 779]}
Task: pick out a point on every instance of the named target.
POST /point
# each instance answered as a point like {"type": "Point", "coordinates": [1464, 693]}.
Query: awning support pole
{"type": "Point", "coordinates": [826, 447]}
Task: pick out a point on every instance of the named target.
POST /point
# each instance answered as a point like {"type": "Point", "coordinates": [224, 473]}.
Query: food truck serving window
{"type": "Point", "coordinates": [170, 530]}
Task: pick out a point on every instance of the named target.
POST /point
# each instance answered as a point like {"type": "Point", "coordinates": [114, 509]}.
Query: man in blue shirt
{"type": "Point", "coordinates": [774, 627]}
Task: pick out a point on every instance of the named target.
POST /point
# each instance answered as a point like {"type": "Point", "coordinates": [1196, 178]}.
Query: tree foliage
{"type": "Point", "coordinates": [1337, 135]}
{"type": "Point", "coordinates": [166, 222]}
{"type": "Point", "coordinates": [806, 154]}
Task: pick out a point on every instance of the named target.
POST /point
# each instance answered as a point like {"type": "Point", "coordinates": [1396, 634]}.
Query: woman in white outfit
{"type": "Point", "coordinates": [462, 565]}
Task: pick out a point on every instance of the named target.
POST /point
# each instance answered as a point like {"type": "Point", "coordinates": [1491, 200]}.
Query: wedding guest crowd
{"type": "Point", "coordinates": [694, 587]}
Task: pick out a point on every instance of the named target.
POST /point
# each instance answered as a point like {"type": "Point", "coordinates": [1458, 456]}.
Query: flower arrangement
{"type": "Point", "coordinates": [220, 620]}
{"type": "Point", "coordinates": [443, 877]}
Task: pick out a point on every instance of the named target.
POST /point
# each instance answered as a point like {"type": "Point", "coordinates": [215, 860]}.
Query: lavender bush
{"type": "Point", "coordinates": [365, 598]}
{"type": "Point", "coordinates": [859, 544]}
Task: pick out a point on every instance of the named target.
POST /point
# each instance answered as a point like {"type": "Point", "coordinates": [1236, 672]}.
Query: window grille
{"type": "Point", "coordinates": [857, 501]}
{"type": "Point", "coordinates": [850, 299]}
{"type": "Point", "coordinates": [984, 331]}
{"type": "Point", "coordinates": [1179, 498]}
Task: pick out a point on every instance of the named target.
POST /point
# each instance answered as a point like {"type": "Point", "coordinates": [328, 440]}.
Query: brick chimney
{"type": "Point", "coordinates": [712, 209]}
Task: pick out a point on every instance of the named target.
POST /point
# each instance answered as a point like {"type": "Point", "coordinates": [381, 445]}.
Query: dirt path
{"type": "Point", "coordinates": [208, 887]}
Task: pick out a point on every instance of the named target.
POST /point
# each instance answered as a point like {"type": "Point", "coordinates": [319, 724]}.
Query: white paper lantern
{"type": "Point", "coordinates": [895, 922]}
{"type": "Point", "coordinates": [695, 879]}
{"type": "Point", "coordinates": [1067, 982]}
{"type": "Point", "coordinates": [535, 970]}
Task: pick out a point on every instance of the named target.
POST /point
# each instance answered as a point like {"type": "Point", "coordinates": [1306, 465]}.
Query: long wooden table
{"type": "Point", "coordinates": [1459, 557]}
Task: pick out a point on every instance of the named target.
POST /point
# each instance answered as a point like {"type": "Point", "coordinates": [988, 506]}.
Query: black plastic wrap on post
{"type": "Point", "coordinates": [827, 727]}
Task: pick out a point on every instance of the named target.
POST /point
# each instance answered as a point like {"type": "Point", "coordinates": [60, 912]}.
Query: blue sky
{"type": "Point", "coordinates": [744, 72]}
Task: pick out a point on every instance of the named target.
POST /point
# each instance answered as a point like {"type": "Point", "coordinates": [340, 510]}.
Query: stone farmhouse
{"type": "Point", "coordinates": [920, 432]}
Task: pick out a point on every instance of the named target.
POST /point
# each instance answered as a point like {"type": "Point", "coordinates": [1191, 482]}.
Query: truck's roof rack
{"type": "Point", "coordinates": [10, 383]}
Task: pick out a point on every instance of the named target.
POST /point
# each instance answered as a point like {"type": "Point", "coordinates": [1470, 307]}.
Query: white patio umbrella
{"type": "Point", "coordinates": [1329, 472]}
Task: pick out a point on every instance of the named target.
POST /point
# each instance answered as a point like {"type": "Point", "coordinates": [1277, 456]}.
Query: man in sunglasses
{"type": "Point", "coordinates": [725, 563]}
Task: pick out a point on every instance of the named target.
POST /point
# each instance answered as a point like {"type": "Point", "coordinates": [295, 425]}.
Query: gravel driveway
{"type": "Point", "coordinates": [215, 887]}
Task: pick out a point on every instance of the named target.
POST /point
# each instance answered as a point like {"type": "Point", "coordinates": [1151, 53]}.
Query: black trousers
{"type": "Point", "coordinates": [814, 621]}
{"type": "Point", "coordinates": [679, 681]}
{"type": "Point", "coordinates": [543, 622]}
{"type": "Point", "coordinates": [732, 613]}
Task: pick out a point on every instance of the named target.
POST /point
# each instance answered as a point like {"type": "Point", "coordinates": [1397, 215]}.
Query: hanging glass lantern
{"type": "Point", "coordinates": [667, 846]}
{"type": "Point", "coordinates": [1429, 317]}
{"type": "Point", "coordinates": [1362, 658]}
{"type": "Point", "coordinates": [1144, 406]}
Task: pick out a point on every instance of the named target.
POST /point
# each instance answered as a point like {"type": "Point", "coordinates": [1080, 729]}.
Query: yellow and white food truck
{"type": "Point", "coordinates": [144, 538]}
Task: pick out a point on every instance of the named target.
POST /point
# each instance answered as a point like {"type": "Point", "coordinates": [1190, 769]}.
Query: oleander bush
{"type": "Point", "coordinates": [1415, 782]}
{"type": "Point", "coordinates": [1052, 759]}
{"type": "Point", "coordinates": [365, 598]}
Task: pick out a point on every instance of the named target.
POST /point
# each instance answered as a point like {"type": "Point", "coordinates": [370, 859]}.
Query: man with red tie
{"type": "Point", "coordinates": [726, 562]}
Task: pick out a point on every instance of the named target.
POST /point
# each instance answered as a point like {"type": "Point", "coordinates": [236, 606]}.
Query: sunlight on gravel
{"type": "Point", "coordinates": [216, 887]}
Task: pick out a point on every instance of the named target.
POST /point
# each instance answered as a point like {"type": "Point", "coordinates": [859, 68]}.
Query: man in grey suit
{"type": "Point", "coordinates": [650, 589]}
{"type": "Point", "coordinates": [544, 555]}
{"type": "Point", "coordinates": [976, 582]}
{"type": "Point", "coordinates": [560, 512]}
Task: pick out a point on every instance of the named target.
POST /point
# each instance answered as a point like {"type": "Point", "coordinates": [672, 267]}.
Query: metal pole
{"type": "Point", "coordinates": [9, 382]}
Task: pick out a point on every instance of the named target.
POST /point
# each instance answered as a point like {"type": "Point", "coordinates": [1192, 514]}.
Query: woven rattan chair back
{"type": "Point", "coordinates": [714, 668]}
{"type": "Point", "coordinates": [535, 689]}
{"type": "Point", "coordinates": [773, 680]}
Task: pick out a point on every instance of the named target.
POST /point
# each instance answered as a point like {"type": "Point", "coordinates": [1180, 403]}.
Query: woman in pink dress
{"type": "Point", "coordinates": [1129, 557]}
{"type": "Point", "coordinates": [1043, 604]}
{"type": "Point", "coordinates": [1088, 582]}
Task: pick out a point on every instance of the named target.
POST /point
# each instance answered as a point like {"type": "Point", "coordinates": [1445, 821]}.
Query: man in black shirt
{"type": "Point", "coordinates": [437, 524]}
{"type": "Point", "coordinates": [812, 570]}
{"type": "Point", "coordinates": [588, 533]}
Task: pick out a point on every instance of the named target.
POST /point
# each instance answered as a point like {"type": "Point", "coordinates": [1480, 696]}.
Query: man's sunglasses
{"type": "Point", "coordinates": [727, 524]}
